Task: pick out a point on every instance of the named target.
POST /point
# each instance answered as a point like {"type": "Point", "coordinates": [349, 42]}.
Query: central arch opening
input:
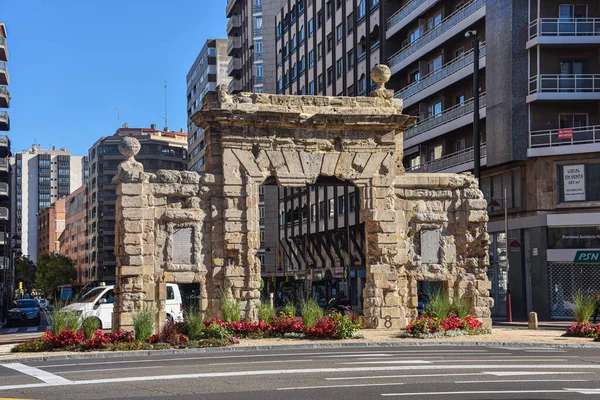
{"type": "Point", "coordinates": [312, 243]}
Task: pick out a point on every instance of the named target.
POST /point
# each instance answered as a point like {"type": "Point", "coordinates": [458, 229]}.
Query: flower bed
{"type": "Point", "coordinates": [425, 327]}
{"type": "Point", "coordinates": [214, 333]}
{"type": "Point", "coordinates": [583, 329]}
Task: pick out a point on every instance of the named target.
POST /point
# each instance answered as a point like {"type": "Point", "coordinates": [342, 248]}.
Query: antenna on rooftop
{"type": "Point", "coordinates": [165, 117]}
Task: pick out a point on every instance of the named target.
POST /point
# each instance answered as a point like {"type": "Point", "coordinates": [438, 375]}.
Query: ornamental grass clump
{"type": "Point", "coordinates": [59, 320]}
{"type": "Point", "coordinates": [266, 312]}
{"type": "Point", "coordinates": [231, 310]}
{"type": "Point", "coordinates": [194, 324]}
{"type": "Point", "coordinates": [289, 309]}
{"type": "Point", "coordinates": [143, 323]}
{"type": "Point", "coordinates": [460, 305]}
{"type": "Point", "coordinates": [584, 305]}
{"type": "Point", "coordinates": [89, 326]}
{"type": "Point", "coordinates": [439, 305]}
{"type": "Point", "coordinates": [311, 312]}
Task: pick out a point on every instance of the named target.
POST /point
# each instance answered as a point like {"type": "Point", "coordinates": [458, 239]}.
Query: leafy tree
{"type": "Point", "coordinates": [54, 270]}
{"type": "Point", "coordinates": [25, 272]}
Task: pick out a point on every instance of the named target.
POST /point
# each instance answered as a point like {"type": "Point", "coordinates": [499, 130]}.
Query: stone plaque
{"type": "Point", "coordinates": [182, 246]}
{"type": "Point", "coordinates": [430, 246]}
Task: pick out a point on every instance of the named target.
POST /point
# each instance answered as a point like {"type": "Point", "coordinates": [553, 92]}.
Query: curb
{"type": "Point", "coordinates": [141, 353]}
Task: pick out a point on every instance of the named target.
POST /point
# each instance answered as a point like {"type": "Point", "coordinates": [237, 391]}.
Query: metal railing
{"type": "Point", "coordinates": [2, 41]}
{"type": "Point", "coordinates": [3, 115]}
{"type": "Point", "coordinates": [258, 79]}
{"type": "Point", "coordinates": [375, 46]}
{"type": "Point", "coordinates": [564, 137]}
{"type": "Point", "coordinates": [234, 22]}
{"type": "Point", "coordinates": [362, 56]}
{"type": "Point", "coordinates": [3, 164]}
{"type": "Point", "coordinates": [4, 139]}
{"type": "Point", "coordinates": [2, 65]}
{"type": "Point", "coordinates": [233, 42]}
{"type": "Point", "coordinates": [4, 213]}
{"type": "Point", "coordinates": [564, 27]}
{"type": "Point", "coordinates": [258, 32]}
{"type": "Point", "coordinates": [3, 189]}
{"type": "Point", "coordinates": [447, 69]}
{"type": "Point", "coordinates": [258, 56]}
{"type": "Point", "coordinates": [452, 20]}
{"type": "Point", "coordinates": [449, 160]}
{"type": "Point", "coordinates": [4, 91]}
{"type": "Point", "coordinates": [256, 8]}
{"type": "Point", "coordinates": [450, 114]}
{"type": "Point", "coordinates": [403, 12]}
{"type": "Point", "coordinates": [551, 83]}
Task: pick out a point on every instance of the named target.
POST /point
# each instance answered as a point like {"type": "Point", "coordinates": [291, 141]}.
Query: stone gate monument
{"type": "Point", "coordinates": [188, 227]}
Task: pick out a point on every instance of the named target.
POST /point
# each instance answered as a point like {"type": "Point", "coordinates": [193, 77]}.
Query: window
{"type": "Point", "coordinates": [320, 51]}
{"type": "Point", "coordinates": [338, 4]}
{"type": "Point", "coordinates": [460, 100]}
{"type": "Point", "coordinates": [414, 35]}
{"type": "Point", "coordinates": [350, 23]}
{"type": "Point", "coordinates": [572, 120]}
{"type": "Point", "coordinates": [460, 144]}
{"type": "Point", "coordinates": [434, 65]}
{"type": "Point", "coordinates": [362, 85]}
{"type": "Point", "coordinates": [321, 83]}
{"type": "Point", "coordinates": [311, 59]}
{"type": "Point", "coordinates": [294, 43]}
{"type": "Point", "coordinates": [362, 9]}
{"type": "Point", "coordinates": [340, 33]}
{"type": "Point", "coordinates": [331, 208]}
{"type": "Point", "coordinates": [414, 77]}
{"type": "Point", "coordinates": [329, 42]}
{"type": "Point", "coordinates": [569, 11]}
{"type": "Point", "coordinates": [434, 153]}
{"type": "Point", "coordinates": [352, 202]}
{"type": "Point", "coordinates": [258, 23]}
{"type": "Point", "coordinates": [350, 60]}
{"type": "Point", "coordinates": [302, 34]}
{"type": "Point", "coordinates": [572, 67]}
{"type": "Point", "coordinates": [329, 76]}
{"type": "Point", "coordinates": [434, 109]}
{"type": "Point", "coordinates": [170, 293]}
{"type": "Point", "coordinates": [459, 52]}
{"type": "Point", "coordinates": [435, 21]}
{"type": "Point", "coordinates": [322, 209]}
{"type": "Point", "coordinates": [258, 46]}
{"type": "Point", "coordinates": [341, 205]}
{"type": "Point", "coordinates": [351, 90]}
{"type": "Point", "coordinates": [311, 27]}
{"type": "Point", "coordinates": [302, 64]}
{"type": "Point", "coordinates": [313, 212]}
{"type": "Point", "coordinates": [311, 88]}
{"type": "Point", "coordinates": [278, 30]}
{"type": "Point", "coordinates": [328, 9]}
{"type": "Point", "coordinates": [340, 67]}
{"type": "Point", "coordinates": [374, 3]}
{"type": "Point", "coordinates": [258, 70]}
{"type": "Point", "coordinates": [320, 19]}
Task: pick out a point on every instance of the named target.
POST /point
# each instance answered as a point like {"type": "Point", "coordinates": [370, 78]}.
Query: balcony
{"type": "Point", "coordinates": [257, 8]}
{"type": "Point", "coordinates": [258, 32]}
{"type": "Point", "coordinates": [235, 64]}
{"type": "Point", "coordinates": [234, 25]}
{"type": "Point", "coordinates": [235, 86]}
{"type": "Point", "coordinates": [4, 79]}
{"type": "Point", "coordinates": [4, 97]}
{"type": "Point", "coordinates": [585, 139]}
{"type": "Point", "coordinates": [230, 7]}
{"type": "Point", "coordinates": [3, 49]}
{"type": "Point", "coordinates": [4, 121]}
{"type": "Point", "coordinates": [3, 214]}
{"type": "Point", "coordinates": [234, 45]}
{"type": "Point", "coordinates": [564, 31]}
{"type": "Point", "coordinates": [564, 87]}
{"type": "Point", "coordinates": [460, 161]}
{"type": "Point", "coordinates": [452, 25]}
{"type": "Point", "coordinates": [450, 119]}
{"type": "Point", "coordinates": [4, 190]}
{"type": "Point", "coordinates": [450, 73]}
{"type": "Point", "coordinates": [4, 166]}
{"type": "Point", "coordinates": [406, 14]}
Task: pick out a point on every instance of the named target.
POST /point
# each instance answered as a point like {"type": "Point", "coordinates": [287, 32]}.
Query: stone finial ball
{"type": "Point", "coordinates": [129, 146]}
{"type": "Point", "coordinates": [381, 74]}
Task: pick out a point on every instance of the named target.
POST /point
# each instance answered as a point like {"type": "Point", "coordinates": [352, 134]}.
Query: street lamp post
{"type": "Point", "coordinates": [476, 133]}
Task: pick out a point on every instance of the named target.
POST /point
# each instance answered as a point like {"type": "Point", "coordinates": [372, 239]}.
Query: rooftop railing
{"type": "Point", "coordinates": [564, 27]}
{"type": "Point", "coordinates": [564, 137]}
{"type": "Point", "coordinates": [450, 114]}
{"type": "Point", "coordinates": [434, 77]}
{"type": "Point", "coordinates": [449, 161]}
{"type": "Point", "coordinates": [564, 83]}
{"type": "Point", "coordinates": [452, 20]}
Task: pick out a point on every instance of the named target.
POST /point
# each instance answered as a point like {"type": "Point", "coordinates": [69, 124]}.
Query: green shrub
{"type": "Point", "coordinates": [460, 305]}
{"type": "Point", "coordinates": [59, 320]}
{"type": "Point", "coordinates": [143, 323]}
{"type": "Point", "coordinates": [346, 325]}
{"type": "Point", "coordinates": [289, 309]}
{"type": "Point", "coordinates": [584, 305]}
{"type": "Point", "coordinates": [311, 312]}
{"type": "Point", "coordinates": [439, 304]}
{"type": "Point", "coordinates": [216, 331]}
{"type": "Point", "coordinates": [265, 311]}
{"type": "Point", "coordinates": [231, 310]}
{"type": "Point", "coordinates": [34, 345]}
{"type": "Point", "coordinates": [89, 326]}
{"type": "Point", "coordinates": [72, 321]}
{"type": "Point", "coordinates": [194, 324]}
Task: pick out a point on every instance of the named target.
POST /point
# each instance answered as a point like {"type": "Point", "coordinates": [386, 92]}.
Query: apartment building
{"type": "Point", "coordinates": [328, 47]}
{"type": "Point", "coordinates": [50, 225]}
{"type": "Point", "coordinates": [208, 71]}
{"type": "Point", "coordinates": [251, 44]}
{"type": "Point", "coordinates": [39, 178]}
{"type": "Point", "coordinates": [4, 140]}
{"type": "Point", "coordinates": [160, 150]}
{"type": "Point", "coordinates": [74, 238]}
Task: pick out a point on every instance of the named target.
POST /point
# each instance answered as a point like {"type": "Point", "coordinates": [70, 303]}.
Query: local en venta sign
{"type": "Point", "coordinates": [565, 133]}
{"type": "Point", "coordinates": [574, 182]}
{"type": "Point", "coordinates": [587, 256]}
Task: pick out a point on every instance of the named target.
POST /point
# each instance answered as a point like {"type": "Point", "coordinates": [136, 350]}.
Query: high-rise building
{"type": "Point", "coordinates": [161, 149]}
{"type": "Point", "coordinates": [251, 44]}
{"type": "Point", "coordinates": [5, 234]}
{"type": "Point", "coordinates": [50, 225]}
{"type": "Point", "coordinates": [74, 239]}
{"type": "Point", "coordinates": [208, 71]}
{"type": "Point", "coordinates": [40, 178]}
{"type": "Point", "coordinates": [328, 47]}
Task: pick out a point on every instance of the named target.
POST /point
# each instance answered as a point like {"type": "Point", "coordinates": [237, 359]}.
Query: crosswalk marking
{"type": "Point", "coordinates": [473, 392]}
{"type": "Point", "coordinates": [43, 376]}
{"type": "Point", "coordinates": [32, 329]}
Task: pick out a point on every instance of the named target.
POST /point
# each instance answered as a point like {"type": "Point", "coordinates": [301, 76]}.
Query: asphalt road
{"type": "Point", "coordinates": [18, 334]}
{"type": "Point", "coordinates": [434, 372]}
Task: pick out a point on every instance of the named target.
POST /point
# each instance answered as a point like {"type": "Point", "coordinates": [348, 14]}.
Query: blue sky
{"type": "Point", "coordinates": [72, 62]}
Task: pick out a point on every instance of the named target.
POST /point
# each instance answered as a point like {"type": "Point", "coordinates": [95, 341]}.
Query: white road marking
{"type": "Point", "coordinates": [32, 329]}
{"type": "Point", "coordinates": [494, 373]}
{"type": "Point", "coordinates": [82, 371]}
{"type": "Point", "coordinates": [262, 362]}
{"type": "Point", "coordinates": [12, 330]}
{"type": "Point", "coordinates": [584, 391]}
{"type": "Point", "coordinates": [441, 361]}
{"type": "Point", "coordinates": [473, 392]}
{"type": "Point", "coordinates": [44, 376]}
{"type": "Point", "coordinates": [519, 373]}
{"type": "Point", "coordinates": [524, 380]}
{"type": "Point", "coordinates": [339, 386]}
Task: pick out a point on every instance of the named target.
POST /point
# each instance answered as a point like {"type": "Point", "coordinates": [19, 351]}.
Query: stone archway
{"type": "Point", "coordinates": [187, 227]}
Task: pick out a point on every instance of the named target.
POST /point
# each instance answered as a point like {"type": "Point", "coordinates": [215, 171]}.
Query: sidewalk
{"type": "Point", "coordinates": [500, 336]}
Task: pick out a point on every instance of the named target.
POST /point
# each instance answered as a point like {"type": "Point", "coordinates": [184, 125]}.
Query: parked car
{"type": "Point", "coordinates": [98, 303]}
{"type": "Point", "coordinates": [23, 312]}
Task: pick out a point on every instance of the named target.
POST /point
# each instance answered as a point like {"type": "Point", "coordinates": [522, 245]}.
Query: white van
{"type": "Point", "coordinates": [98, 303]}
